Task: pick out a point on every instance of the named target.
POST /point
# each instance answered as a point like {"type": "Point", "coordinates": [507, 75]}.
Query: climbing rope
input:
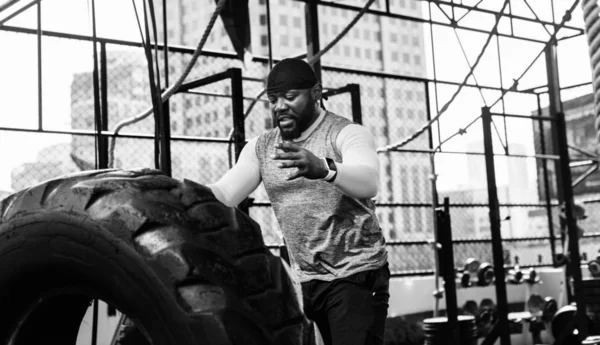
{"type": "Point", "coordinates": [171, 89]}
{"type": "Point", "coordinates": [591, 13]}
{"type": "Point", "coordinates": [460, 87]}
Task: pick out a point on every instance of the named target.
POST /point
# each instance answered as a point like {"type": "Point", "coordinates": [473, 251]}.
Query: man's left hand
{"type": "Point", "coordinates": [294, 156]}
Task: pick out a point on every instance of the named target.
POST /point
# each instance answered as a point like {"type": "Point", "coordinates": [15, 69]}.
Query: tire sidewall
{"type": "Point", "coordinates": [74, 245]}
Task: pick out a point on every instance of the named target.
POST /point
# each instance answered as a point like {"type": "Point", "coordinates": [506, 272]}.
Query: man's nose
{"type": "Point", "coordinates": [280, 104]}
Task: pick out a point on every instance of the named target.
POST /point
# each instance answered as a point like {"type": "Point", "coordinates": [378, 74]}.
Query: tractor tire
{"type": "Point", "coordinates": [182, 266]}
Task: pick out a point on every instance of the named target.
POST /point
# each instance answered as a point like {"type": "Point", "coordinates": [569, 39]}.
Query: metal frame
{"type": "Point", "coordinates": [237, 97]}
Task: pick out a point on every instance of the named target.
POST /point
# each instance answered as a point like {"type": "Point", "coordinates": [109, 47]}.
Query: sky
{"type": "Point", "coordinates": [116, 19]}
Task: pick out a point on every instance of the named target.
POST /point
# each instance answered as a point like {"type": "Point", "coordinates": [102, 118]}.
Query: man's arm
{"type": "Point", "coordinates": [241, 180]}
{"type": "Point", "coordinates": [358, 174]}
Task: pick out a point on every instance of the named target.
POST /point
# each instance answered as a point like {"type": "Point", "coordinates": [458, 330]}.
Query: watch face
{"type": "Point", "coordinates": [331, 164]}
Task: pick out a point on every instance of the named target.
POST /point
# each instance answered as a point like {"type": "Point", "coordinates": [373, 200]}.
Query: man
{"type": "Point", "coordinates": [320, 172]}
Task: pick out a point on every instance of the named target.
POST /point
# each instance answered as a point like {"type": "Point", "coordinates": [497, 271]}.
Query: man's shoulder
{"type": "Point", "coordinates": [339, 118]}
{"type": "Point", "coordinates": [339, 122]}
{"type": "Point", "coordinates": [265, 139]}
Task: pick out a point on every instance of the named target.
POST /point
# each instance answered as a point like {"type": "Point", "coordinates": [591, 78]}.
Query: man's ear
{"type": "Point", "coordinates": [317, 91]}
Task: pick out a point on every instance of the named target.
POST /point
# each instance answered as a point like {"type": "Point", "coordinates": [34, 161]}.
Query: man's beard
{"type": "Point", "coordinates": [301, 122]}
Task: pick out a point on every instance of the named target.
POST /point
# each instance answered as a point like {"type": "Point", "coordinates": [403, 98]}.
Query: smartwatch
{"type": "Point", "coordinates": [332, 170]}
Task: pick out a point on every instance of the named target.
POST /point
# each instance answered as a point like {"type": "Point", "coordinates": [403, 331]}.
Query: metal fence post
{"type": "Point", "coordinates": [497, 253]}
{"type": "Point", "coordinates": [356, 103]}
{"type": "Point", "coordinates": [565, 189]}
{"type": "Point", "coordinates": [548, 192]}
{"type": "Point", "coordinates": [165, 139]}
{"type": "Point", "coordinates": [103, 139]}
{"type": "Point", "coordinates": [311, 13]}
{"type": "Point", "coordinates": [239, 130]}
{"type": "Point", "coordinates": [237, 102]}
{"type": "Point", "coordinates": [444, 238]}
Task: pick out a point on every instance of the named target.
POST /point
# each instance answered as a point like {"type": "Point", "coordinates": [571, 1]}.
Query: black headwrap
{"type": "Point", "coordinates": [290, 74]}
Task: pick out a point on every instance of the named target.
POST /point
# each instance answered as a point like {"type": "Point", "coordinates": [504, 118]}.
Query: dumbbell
{"type": "Point", "coordinates": [594, 267]}
{"type": "Point", "coordinates": [472, 265]}
{"type": "Point", "coordinates": [487, 312]}
{"type": "Point", "coordinates": [561, 259]}
{"type": "Point", "coordinates": [470, 308]}
{"type": "Point", "coordinates": [469, 269]}
{"type": "Point", "coordinates": [535, 305]}
{"type": "Point", "coordinates": [464, 278]}
{"type": "Point", "coordinates": [515, 275]}
{"type": "Point", "coordinates": [531, 276]}
{"type": "Point", "coordinates": [549, 309]}
{"type": "Point", "coordinates": [485, 274]}
{"type": "Point", "coordinates": [543, 308]}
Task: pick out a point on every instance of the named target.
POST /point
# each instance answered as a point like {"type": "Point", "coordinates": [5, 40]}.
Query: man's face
{"type": "Point", "coordinates": [293, 111]}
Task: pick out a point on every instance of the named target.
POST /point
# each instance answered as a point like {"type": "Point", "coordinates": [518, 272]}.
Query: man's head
{"type": "Point", "coordinates": [294, 92]}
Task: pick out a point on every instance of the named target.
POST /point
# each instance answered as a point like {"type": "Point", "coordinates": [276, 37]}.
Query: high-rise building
{"type": "Point", "coordinates": [392, 108]}
{"type": "Point", "coordinates": [581, 134]}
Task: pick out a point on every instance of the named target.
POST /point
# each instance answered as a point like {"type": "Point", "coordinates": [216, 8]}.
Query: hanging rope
{"type": "Point", "coordinates": [316, 57]}
{"type": "Point", "coordinates": [591, 11]}
{"type": "Point", "coordinates": [173, 88]}
{"type": "Point", "coordinates": [460, 87]}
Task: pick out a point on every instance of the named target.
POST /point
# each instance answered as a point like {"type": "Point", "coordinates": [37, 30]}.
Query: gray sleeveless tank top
{"type": "Point", "coordinates": [328, 234]}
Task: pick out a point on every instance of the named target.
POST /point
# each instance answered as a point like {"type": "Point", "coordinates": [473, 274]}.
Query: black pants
{"type": "Point", "coordinates": [350, 310]}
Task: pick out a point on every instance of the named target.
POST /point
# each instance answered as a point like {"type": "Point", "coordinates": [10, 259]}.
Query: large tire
{"type": "Point", "coordinates": [184, 267]}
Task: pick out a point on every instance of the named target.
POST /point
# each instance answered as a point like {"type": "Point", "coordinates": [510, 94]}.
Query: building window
{"type": "Point", "coordinates": [264, 40]}
{"type": "Point", "coordinates": [402, 3]}
{"type": "Point", "coordinates": [261, 2]}
{"type": "Point", "coordinates": [367, 34]}
{"type": "Point", "coordinates": [379, 55]}
{"type": "Point", "coordinates": [418, 219]}
{"type": "Point", "coordinates": [416, 41]}
{"type": "Point", "coordinates": [346, 50]}
{"type": "Point", "coordinates": [356, 34]}
{"type": "Point", "coordinates": [297, 20]}
{"type": "Point", "coordinates": [298, 42]}
{"type": "Point", "coordinates": [334, 29]}
{"type": "Point", "coordinates": [405, 39]}
{"type": "Point", "coordinates": [417, 60]}
{"type": "Point", "coordinates": [410, 114]}
{"type": "Point", "coordinates": [357, 52]}
{"type": "Point", "coordinates": [263, 19]}
{"type": "Point", "coordinates": [325, 28]}
{"type": "Point", "coordinates": [413, 5]}
{"type": "Point", "coordinates": [409, 95]}
{"type": "Point", "coordinates": [336, 49]}
{"type": "Point", "coordinates": [394, 38]}
{"type": "Point", "coordinates": [367, 53]}
{"type": "Point", "coordinates": [406, 58]}
{"type": "Point", "coordinates": [284, 40]}
{"type": "Point", "coordinates": [283, 20]}
{"type": "Point", "coordinates": [394, 56]}
{"type": "Point", "coordinates": [378, 36]}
